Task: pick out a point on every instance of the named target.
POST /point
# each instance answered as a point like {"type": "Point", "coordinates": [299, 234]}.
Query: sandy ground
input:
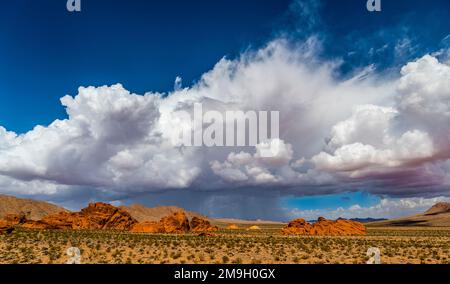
{"type": "Point", "coordinates": [397, 245]}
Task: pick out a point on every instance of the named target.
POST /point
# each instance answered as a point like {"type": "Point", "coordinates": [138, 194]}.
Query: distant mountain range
{"type": "Point", "coordinates": [361, 220]}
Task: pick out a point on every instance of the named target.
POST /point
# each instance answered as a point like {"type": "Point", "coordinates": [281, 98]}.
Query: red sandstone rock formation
{"type": "Point", "coordinates": [324, 227]}
{"type": "Point", "coordinates": [175, 223]}
{"type": "Point", "coordinates": [102, 216]}
{"type": "Point", "coordinates": [97, 216]}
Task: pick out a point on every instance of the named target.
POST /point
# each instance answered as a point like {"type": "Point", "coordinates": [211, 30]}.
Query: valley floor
{"type": "Point", "coordinates": [397, 245]}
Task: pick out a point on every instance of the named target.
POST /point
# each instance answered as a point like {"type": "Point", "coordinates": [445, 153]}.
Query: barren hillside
{"type": "Point", "coordinates": [35, 210]}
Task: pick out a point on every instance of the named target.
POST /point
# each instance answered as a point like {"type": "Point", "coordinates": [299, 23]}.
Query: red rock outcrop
{"type": "Point", "coordinates": [97, 216]}
{"type": "Point", "coordinates": [202, 225]}
{"type": "Point", "coordinates": [102, 216]}
{"type": "Point", "coordinates": [105, 216]}
{"type": "Point", "coordinates": [324, 227]}
{"type": "Point", "coordinates": [175, 223]}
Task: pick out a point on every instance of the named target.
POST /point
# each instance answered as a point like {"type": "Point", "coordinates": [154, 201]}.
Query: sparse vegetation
{"type": "Point", "coordinates": [398, 245]}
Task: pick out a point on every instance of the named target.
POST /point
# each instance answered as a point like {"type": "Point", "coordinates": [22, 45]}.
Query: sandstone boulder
{"type": "Point", "coordinates": [324, 227]}
{"type": "Point", "coordinates": [233, 227]}
{"type": "Point", "coordinates": [202, 225]}
{"type": "Point", "coordinates": [254, 228]}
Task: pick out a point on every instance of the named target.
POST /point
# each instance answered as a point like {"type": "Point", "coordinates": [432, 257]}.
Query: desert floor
{"type": "Point", "coordinates": [397, 245]}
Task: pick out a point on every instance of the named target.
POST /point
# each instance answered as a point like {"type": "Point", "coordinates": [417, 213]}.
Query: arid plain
{"type": "Point", "coordinates": [397, 245]}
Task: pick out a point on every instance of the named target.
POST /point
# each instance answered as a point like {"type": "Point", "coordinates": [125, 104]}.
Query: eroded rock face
{"type": "Point", "coordinates": [324, 227]}
{"type": "Point", "coordinates": [105, 216]}
{"type": "Point", "coordinates": [97, 216]}
{"type": "Point", "coordinates": [202, 225]}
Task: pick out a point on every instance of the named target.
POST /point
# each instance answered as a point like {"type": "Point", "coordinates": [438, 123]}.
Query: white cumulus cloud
{"type": "Point", "coordinates": [335, 133]}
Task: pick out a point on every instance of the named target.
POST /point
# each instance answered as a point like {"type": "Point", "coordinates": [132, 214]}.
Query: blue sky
{"type": "Point", "coordinates": [344, 200]}
{"type": "Point", "coordinates": [47, 52]}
